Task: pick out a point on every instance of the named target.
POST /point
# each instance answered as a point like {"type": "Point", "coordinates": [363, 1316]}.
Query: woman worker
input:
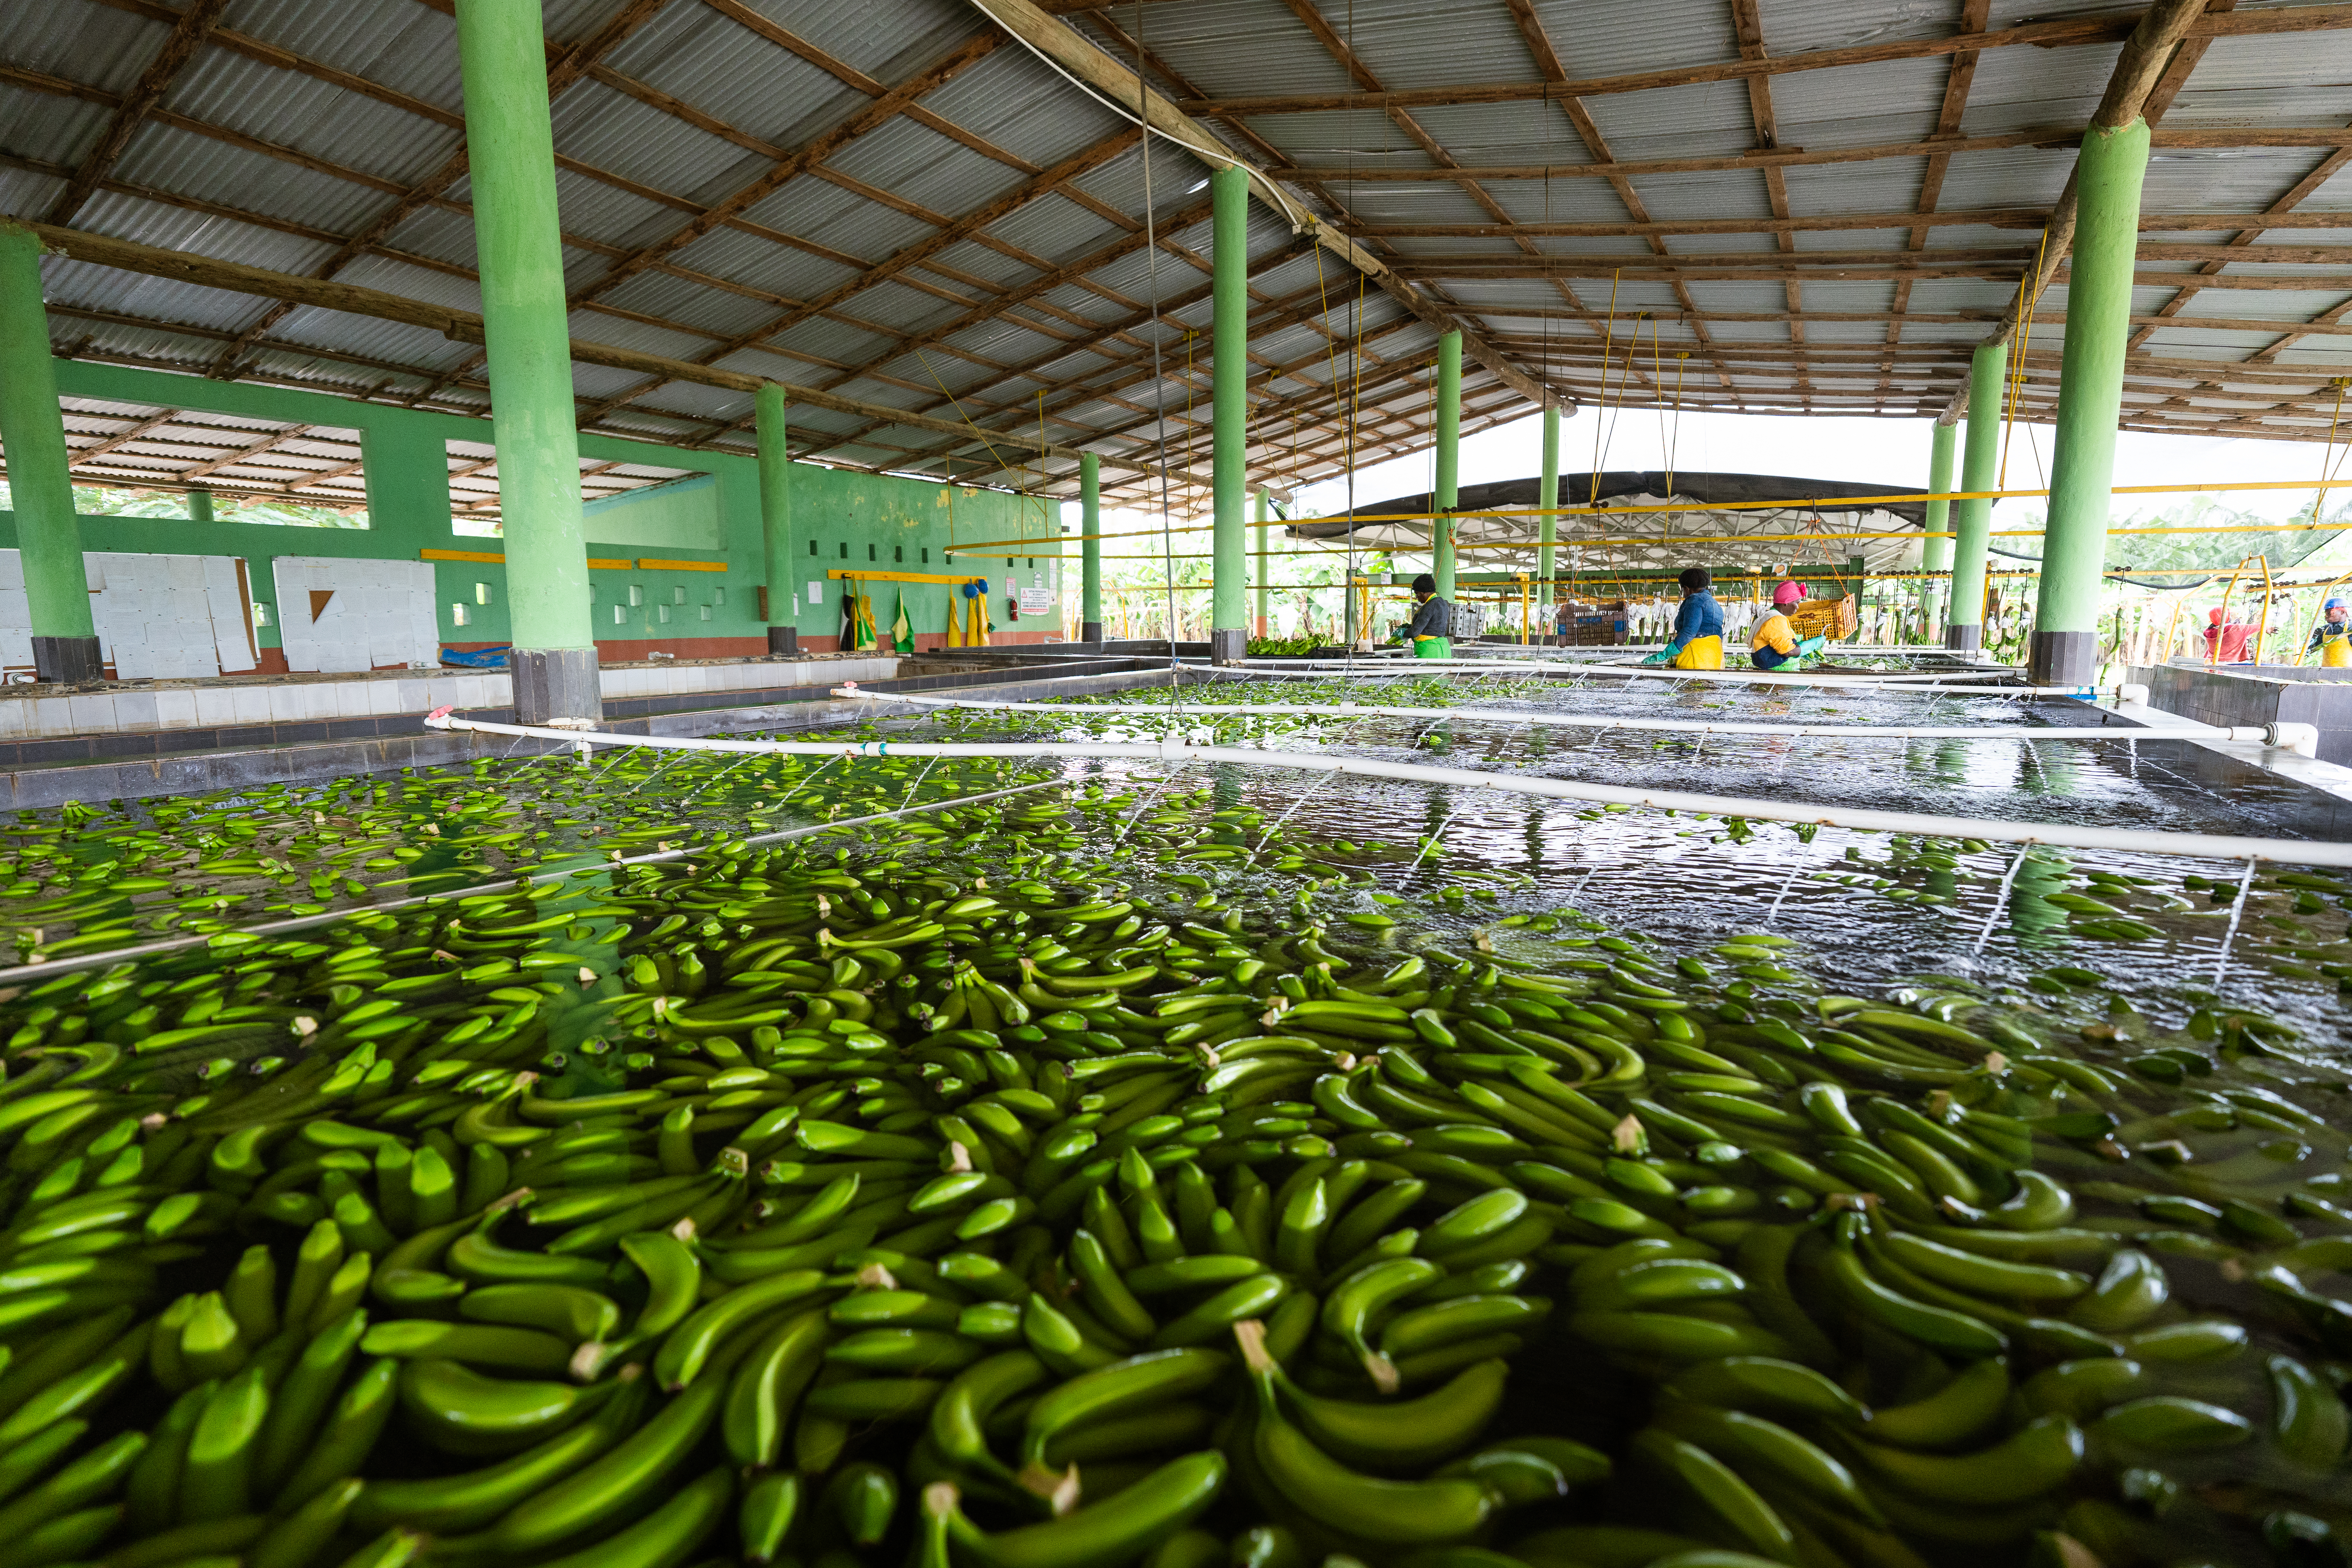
{"type": "Point", "coordinates": [1776, 642]}
{"type": "Point", "coordinates": [2332, 638]}
{"type": "Point", "coordinates": [1698, 642]}
{"type": "Point", "coordinates": [1431, 630]}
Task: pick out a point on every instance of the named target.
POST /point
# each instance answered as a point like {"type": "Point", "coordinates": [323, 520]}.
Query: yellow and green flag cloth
{"type": "Point", "coordinates": [902, 630]}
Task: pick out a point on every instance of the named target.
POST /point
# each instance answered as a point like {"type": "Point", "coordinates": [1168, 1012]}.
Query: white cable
{"type": "Point", "coordinates": [1414, 668]}
{"type": "Point", "coordinates": [2203, 846]}
{"type": "Point", "coordinates": [2187, 731]}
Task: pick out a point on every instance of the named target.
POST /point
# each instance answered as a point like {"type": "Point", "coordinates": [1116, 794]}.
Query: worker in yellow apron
{"type": "Point", "coordinates": [1698, 642]}
{"type": "Point", "coordinates": [1776, 642]}
{"type": "Point", "coordinates": [1429, 632]}
{"type": "Point", "coordinates": [2332, 638]}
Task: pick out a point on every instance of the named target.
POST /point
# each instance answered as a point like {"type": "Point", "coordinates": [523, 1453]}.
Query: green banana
{"type": "Point", "coordinates": [2167, 1424]}
{"type": "Point", "coordinates": [1119, 1389]}
{"type": "Point", "coordinates": [1119, 1529]}
{"type": "Point", "coordinates": [1765, 1385]}
{"type": "Point", "coordinates": [2307, 1417]}
{"type": "Point", "coordinates": [765, 1389]}
{"type": "Point", "coordinates": [1719, 1488]}
{"type": "Point", "coordinates": [1405, 1435]}
{"type": "Point", "coordinates": [614, 1481]}
{"type": "Point", "coordinates": [2036, 1459]}
{"type": "Point", "coordinates": [668, 1535]}
{"type": "Point", "coordinates": [1956, 1416]}
{"type": "Point", "coordinates": [1404, 1513]}
{"type": "Point", "coordinates": [690, 1345]}
{"type": "Point", "coordinates": [461, 1412]}
{"type": "Point", "coordinates": [452, 1505]}
{"type": "Point", "coordinates": [1752, 1443]}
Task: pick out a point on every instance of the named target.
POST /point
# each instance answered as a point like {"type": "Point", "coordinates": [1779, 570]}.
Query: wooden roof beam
{"type": "Point", "coordinates": [187, 35]}
{"type": "Point", "coordinates": [2138, 72]}
{"type": "Point", "coordinates": [1076, 54]}
{"type": "Point", "coordinates": [2216, 138]}
{"type": "Point", "coordinates": [2097, 29]}
{"type": "Point", "coordinates": [463, 326]}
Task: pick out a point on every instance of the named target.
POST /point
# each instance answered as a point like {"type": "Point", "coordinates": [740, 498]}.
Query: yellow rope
{"type": "Point", "coordinates": [1608, 348]}
{"type": "Point", "coordinates": [2026, 300]}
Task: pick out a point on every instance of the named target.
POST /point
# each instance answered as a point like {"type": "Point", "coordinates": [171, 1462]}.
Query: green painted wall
{"type": "Point", "coordinates": [843, 518]}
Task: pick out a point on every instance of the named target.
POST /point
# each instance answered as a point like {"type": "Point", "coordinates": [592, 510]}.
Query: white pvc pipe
{"type": "Point", "coordinates": [1956, 683]}
{"type": "Point", "coordinates": [2203, 845]}
{"type": "Point", "coordinates": [2188, 730]}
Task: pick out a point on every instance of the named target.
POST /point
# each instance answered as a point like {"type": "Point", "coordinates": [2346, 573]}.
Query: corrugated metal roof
{"type": "Point", "coordinates": [637, 173]}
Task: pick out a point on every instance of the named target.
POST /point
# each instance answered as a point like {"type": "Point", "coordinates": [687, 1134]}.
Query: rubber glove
{"type": "Point", "coordinates": [1811, 646]}
{"type": "Point", "coordinates": [1665, 655]}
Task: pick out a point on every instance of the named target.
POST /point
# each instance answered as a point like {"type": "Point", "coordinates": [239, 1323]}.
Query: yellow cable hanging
{"type": "Point", "coordinates": [2026, 299]}
{"type": "Point", "coordinates": [1608, 351]}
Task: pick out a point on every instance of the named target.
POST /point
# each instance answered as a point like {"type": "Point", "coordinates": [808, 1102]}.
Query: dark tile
{"type": "Point", "coordinates": [66, 749]}
{"type": "Point", "coordinates": [246, 735]}
{"type": "Point", "coordinates": [122, 745]}
{"type": "Point", "coordinates": [295, 734]}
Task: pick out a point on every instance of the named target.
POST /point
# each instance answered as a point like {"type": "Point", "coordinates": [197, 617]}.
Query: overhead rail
{"type": "Point", "coordinates": [2063, 836]}
{"type": "Point", "coordinates": [1798, 504]}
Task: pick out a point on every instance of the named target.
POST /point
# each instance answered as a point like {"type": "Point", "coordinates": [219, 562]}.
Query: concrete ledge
{"type": "Point", "coordinates": [2232, 694]}
{"type": "Point", "coordinates": [124, 767]}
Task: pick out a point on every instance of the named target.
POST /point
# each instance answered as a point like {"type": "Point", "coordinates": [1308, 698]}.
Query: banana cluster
{"type": "Point", "coordinates": [779, 1207]}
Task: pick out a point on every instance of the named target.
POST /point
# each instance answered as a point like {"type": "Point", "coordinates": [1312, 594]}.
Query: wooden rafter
{"type": "Point", "coordinates": [2083, 30]}
{"type": "Point", "coordinates": [179, 46]}
{"type": "Point", "coordinates": [1587, 131]}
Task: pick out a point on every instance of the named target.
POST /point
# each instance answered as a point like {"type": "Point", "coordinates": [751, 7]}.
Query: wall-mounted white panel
{"type": "Point", "coordinates": [338, 614]}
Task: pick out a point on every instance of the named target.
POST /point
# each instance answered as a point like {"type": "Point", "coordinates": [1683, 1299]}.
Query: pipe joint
{"type": "Point", "coordinates": [2302, 739]}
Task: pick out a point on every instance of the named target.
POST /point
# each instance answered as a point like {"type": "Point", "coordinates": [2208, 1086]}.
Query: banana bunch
{"type": "Point", "coordinates": [778, 1203]}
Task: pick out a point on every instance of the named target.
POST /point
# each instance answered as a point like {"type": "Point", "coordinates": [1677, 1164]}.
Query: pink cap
{"type": "Point", "coordinates": [1787, 593]}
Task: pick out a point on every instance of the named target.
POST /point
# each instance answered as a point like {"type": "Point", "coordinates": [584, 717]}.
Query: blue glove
{"type": "Point", "coordinates": [1811, 646]}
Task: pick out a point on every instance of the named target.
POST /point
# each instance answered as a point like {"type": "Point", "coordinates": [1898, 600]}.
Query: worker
{"type": "Point", "coordinates": [1697, 641]}
{"type": "Point", "coordinates": [1431, 630]}
{"type": "Point", "coordinates": [2332, 638]}
{"type": "Point", "coordinates": [1776, 642]}
{"type": "Point", "coordinates": [2226, 640]}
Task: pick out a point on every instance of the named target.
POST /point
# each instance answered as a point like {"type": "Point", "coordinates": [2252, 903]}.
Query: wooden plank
{"type": "Point", "coordinates": [464, 326]}
{"type": "Point", "coordinates": [2083, 30]}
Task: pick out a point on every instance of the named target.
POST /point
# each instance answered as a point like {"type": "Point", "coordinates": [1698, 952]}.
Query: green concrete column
{"type": "Point", "coordinates": [40, 482]}
{"type": "Point", "coordinates": [776, 520]}
{"type": "Point", "coordinates": [1260, 580]}
{"type": "Point", "coordinates": [1936, 555]}
{"type": "Point", "coordinates": [1090, 617]}
{"type": "Point", "coordinates": [1229, 254]}
{"type": "Point", "coordinates": [502, 57]}
{"type": "Point", "coordinates": [2065, 650]}
{"type": "Point", "coordinates": [200, 507]}
{"type": "Point", "coordinates": [1449, 461]}
{"type": "Point", "coordinates": [1972, 520]}
{"type": "Point", "coordinates": [1548, 496]}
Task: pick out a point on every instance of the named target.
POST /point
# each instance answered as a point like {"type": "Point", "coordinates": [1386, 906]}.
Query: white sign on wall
{"type": "Point", "coordinates": [162, 617]}
{"type": "Point", "coordinates": [338, 614]}
{"type": "Point", "coordinates": [157, 616]}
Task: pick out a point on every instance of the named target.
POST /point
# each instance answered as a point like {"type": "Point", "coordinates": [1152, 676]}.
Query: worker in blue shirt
{"type": "Point", "coordinates": [1698, 642]}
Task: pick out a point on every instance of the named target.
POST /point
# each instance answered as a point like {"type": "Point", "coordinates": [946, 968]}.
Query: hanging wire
{"type": "Point", "coordinates": [2017, 365]}
{"type": "Point", "coordinates": [1608, 351]}
{"type": "Point", "coordinates": [1159, 380]}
